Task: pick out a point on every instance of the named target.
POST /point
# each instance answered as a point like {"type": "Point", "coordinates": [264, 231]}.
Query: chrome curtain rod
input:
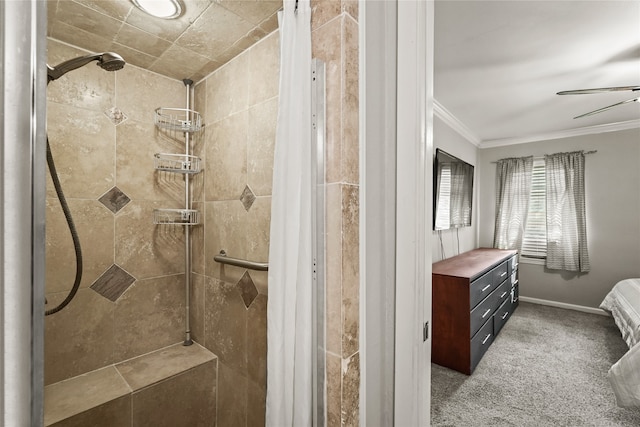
{"type": "Point", "coordinates": [222, 258]}
{"type": "Point", "coordinates": [539, 157]}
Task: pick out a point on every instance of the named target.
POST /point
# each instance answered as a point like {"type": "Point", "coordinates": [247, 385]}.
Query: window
{"type": "Point", "coordinates": [534, 241]}
{"type": "Point", "coordinates": [444, 201]}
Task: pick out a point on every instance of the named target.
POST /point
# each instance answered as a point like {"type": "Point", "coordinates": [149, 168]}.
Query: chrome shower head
{"type": "Point", "coordinates": [108, 61]}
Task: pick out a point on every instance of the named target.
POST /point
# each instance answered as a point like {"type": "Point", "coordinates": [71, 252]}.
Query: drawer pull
{"type": "Point", "coordinates": [503, 274]}
{"type": "Point", "coordinates": [504, 316]}
{"type": "Point", "coordinates": [484, 341]}
{"type": "Point", "coordinates": [504, 294]}
{"type": "Point", "coordinates": [486, 312]}
{"type": "Point", "coordinates": [486, 287]}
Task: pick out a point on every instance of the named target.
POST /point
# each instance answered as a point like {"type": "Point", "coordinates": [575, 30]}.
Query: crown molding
{"type": "Point", "coordinates": [588, 130]}
{"type": "Point", "coordinates": [455, 124]}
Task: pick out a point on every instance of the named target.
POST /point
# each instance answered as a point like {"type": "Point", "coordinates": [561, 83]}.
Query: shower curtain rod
{"type": "Point", "coordinates": [222, 258]}
{"type": "Point", "coordinates": [539, 157]}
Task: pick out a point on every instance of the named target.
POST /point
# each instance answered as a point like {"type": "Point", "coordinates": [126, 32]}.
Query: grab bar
{"type": "Point", "coordinates": [222, 258]}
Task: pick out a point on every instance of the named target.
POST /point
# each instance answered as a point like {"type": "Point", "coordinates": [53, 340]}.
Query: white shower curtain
{"type": "Point", "coordinates": [289, 309]}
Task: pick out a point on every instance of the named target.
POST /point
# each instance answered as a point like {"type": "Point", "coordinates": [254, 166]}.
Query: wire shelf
{"type": "Point", "coordinates": [179, 163]}
{"type": "Point", "coordinates": [178, 119]}
{"type": "Point", "coordinates": [176, 216]}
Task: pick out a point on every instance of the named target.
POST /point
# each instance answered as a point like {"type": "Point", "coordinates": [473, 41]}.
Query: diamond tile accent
{"type": "Point", "coordinates": [113, 283]}
{"type": "Point", "coordinates": [116, 115]}
{"type": "Point", "coordinates": [247, 289]}
{"type": "Point", "coordinates": [247, 198]}
{"type": "Point", "coordinates": [114, 199]}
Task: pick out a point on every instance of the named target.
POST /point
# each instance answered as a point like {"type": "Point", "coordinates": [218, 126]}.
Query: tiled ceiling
{"type": "Point", "coordinates": [208, 33]}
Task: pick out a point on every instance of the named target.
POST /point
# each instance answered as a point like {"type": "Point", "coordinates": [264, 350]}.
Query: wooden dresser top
{"type": "Point", "coordinates": [473, 263]}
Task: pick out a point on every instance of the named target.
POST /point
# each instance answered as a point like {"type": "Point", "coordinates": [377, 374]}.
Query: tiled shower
{"type": "Point", "coordinates": [130, 308]}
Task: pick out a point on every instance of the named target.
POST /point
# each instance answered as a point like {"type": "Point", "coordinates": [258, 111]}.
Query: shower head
{"type": "Point", "coordinates": [108, 61]}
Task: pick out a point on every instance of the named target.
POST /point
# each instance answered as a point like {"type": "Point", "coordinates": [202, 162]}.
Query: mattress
{"type": "Point", "coordinates": [623, 302]}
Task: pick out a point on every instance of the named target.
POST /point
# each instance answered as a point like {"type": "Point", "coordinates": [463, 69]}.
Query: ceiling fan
{"type": "Point", "coordinates": [600, 90]}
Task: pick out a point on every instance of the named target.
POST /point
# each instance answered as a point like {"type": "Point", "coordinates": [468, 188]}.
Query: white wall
{"type": "Point", "coordinates": [612, 181]}
{"type": "Point", "coordinates": [453, 143]}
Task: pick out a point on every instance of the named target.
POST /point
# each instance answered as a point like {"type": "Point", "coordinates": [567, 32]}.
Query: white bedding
{"type": "Point", "coordinates": [623, 302]}
{"type": "Point", "coordinates": [624, 377]}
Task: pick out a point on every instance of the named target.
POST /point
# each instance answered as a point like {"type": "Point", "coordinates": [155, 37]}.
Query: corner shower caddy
{"type": "Point", "coordinates": [176, 124]}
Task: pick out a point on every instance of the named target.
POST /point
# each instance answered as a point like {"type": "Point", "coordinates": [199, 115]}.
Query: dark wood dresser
{"type": "Point", "coordinates": [474, 295]}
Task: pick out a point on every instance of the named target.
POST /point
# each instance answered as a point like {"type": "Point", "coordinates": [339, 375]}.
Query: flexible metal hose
{"type": "Point", "coordinates": [72, 229]}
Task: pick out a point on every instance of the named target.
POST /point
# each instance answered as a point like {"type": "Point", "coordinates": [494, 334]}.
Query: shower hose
{"type": "Point", "coordinates": [72, 229]}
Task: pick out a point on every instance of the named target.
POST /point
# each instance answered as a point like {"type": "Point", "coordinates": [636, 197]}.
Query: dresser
{"type": "Point", "coordinates": [474, 294]}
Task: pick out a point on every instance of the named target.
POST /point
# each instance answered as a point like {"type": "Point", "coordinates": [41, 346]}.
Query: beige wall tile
{"type": "Point", "coordinates": [114, 9]}
{"type": "Point", "coordinates": [87, 19]}
{"type": "Point", "coordinates": [264, 69]}
{"type": "Point", "coordinates": [138, 96]}
{"type": "Point", "coordinates": [232, 397]}
{"type": "Point", "coordinates": [350, 270]}
{"type": "Point", "coordinates": [334, 390]}
{"type": "Point", "coordinates": [146, 250]}
{"type": "Point", "coordinates": [115, 413]}
{"type": "Point", "coordinates": [350, 99]}
{"type": "Point", "coordinates": [350, 390]}
{"type": "Point", "coordinates": [137, 143]}
{"type": "Point", "coordinates": [323, 11]}
{"type": "Point", "coordinates": [256, 238]}
{"type": "Point", "coordinates": [225, 229]}
{"type": "Point", "coordinates": [226, 325]}
{"type": "Point", "coordinates": [187, 399]}
{"type": "Point", "coordinates": [132, 56]}
{"type": "Point", "coordinates": [351, 8]}
{"type": "Point", "coordinates": [257, 342]}
{"type": "Point", "coordinates": [226, 158]}
{"type": "Point", "coordinates": [149, 315]}
{"type": "Point", "coordinates": [227, 90]}
{"type": "Point", "coordinates": [256, 405]}
{"type": "Point", "coordinates": [68, 403]}
{"type": "Point", "coordinates": [197, 307]}
{"type": "Point", "coordinates": [82, 145]}
{"type": "Point", "coordinates": [261, 143]}
{"type": "Point", "coordinates": [80, 338]}
{"type": "Point", "coordinates": [88, 87]}
{"type": "Point", "coordinates": [94, 225]}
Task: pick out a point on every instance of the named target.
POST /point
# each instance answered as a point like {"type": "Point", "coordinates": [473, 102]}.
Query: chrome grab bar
{"type": "Point", "coordinates": [222, 258]}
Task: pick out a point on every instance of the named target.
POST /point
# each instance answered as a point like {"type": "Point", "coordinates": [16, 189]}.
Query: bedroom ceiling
{"type": "Point", "coordinates": [499, 64]}
{"type": "Point", "coordinates": [208, 34]}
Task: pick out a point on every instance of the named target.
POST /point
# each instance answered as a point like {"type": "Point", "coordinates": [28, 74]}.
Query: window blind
{"type": "Point", "coordinates": [534, 243]}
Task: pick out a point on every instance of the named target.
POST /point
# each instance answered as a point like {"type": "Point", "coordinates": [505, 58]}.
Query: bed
{"type": "Point", "coordinates": [623, 303]}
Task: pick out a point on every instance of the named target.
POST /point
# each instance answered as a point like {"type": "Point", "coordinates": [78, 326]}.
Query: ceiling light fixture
{"type": "Point", "coordinates": [165, 9]}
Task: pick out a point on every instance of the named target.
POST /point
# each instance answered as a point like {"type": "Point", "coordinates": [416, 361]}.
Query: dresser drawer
{"type": "Point", "coordinates": [500, 273]}
{"type": "Point", "coordinates": [481, 342]}
{"type": "Point", "coordinates": [503, 292]}
{"type": "Point", "coordinates": [483, 312]}
{"type": "Point", "coordinates": [480, 288]}
{"type": "Point", "coordinates": [502, 315]}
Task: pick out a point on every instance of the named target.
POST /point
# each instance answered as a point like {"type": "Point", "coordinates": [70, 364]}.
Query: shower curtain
{"type": "Point", "coordinates": [289, 307]}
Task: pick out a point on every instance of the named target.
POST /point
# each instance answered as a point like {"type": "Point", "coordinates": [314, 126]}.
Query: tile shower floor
{"type": "Point", "coordinates": [170, 386]}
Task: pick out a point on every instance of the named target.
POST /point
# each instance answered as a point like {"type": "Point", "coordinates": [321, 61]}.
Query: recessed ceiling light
{"type": "Point", "coordinates": [165, 9]}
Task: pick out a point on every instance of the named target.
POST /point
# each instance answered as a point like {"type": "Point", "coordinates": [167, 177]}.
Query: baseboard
{"type": "Point", "coordinates": [583, 308]}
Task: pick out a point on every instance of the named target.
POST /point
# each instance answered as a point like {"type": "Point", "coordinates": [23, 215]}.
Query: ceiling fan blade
{"type": "Point", "coordinates": [600, 110]}
{"type": "Point", "coordinates": [600, 90]}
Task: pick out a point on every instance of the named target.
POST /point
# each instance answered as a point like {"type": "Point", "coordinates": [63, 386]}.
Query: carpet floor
{"type": "Point", "coordinates": [547, 367]}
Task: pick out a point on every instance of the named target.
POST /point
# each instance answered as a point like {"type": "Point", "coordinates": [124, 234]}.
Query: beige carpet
{"type": "Point", "coordinates": [547, 367]}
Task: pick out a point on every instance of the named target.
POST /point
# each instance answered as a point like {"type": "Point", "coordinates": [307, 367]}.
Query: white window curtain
{"type": "Point", "coordinates": [289, 309]}
{"type": "Point", "coordinates": [566, 218]}
{"type": "Point", "coordinates": [513, 186]}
